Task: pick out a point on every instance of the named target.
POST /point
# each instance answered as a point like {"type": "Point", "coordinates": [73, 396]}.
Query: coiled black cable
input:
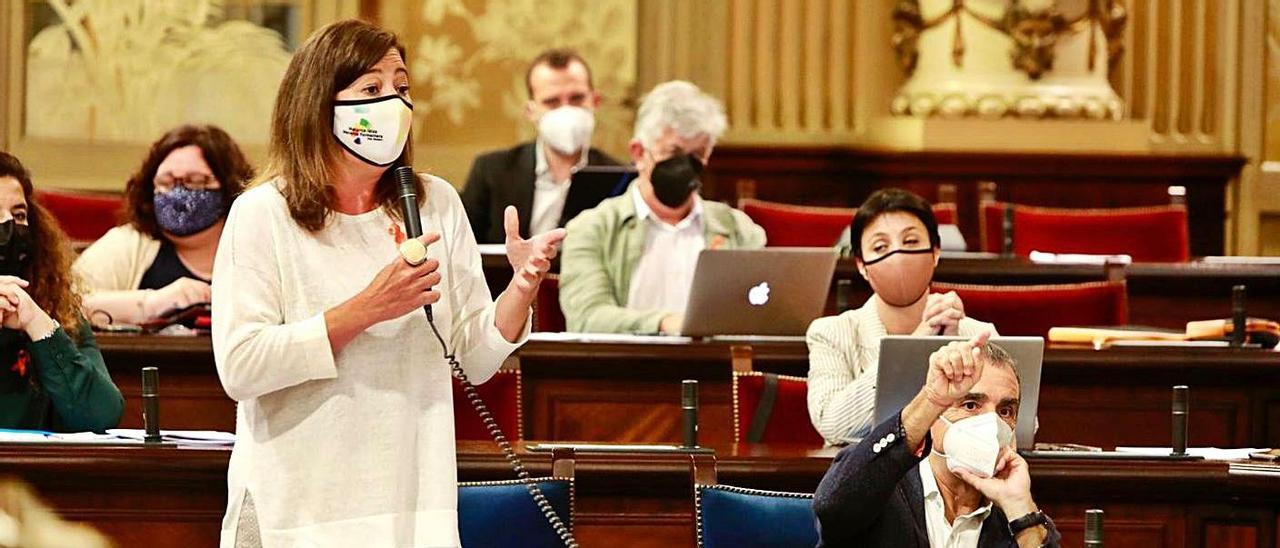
{"type": "Point", "coordinates": [495, 432]}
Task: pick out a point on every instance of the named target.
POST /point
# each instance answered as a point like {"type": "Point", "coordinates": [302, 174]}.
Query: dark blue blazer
{"type": "Point", "coordinates": [872, 496]}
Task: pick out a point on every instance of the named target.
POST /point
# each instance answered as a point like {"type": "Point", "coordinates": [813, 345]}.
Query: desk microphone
{"type": "Point", "coordinates": [689, 409]}
{"type": "Point", "coordinates": [409, 210]}
{"type": "Point", "coordinates": [1238, 327]}
{"type": "Point", "coordinates": [1180, 420]}
{"type": "Point", "coordinates": [151, 404]}
{"type": "Point", "coordinates": [1093, 528]}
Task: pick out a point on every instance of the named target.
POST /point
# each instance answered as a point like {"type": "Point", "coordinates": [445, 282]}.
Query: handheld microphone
{"type": "Point", "coordinates": [151, 404]}
{"type": "Point", "coordinates": [1093, 528]}
{"type": "Point", "coordinates": [689, 409]}
{"type": "Point", "coordinates": [409, 210]}
{"type": "Point", "coordinates": [1180, 406]}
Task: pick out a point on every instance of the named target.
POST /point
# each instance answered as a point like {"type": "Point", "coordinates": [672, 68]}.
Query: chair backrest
{"type": "Point", "coordinates": [771, 408]}
{"type": "Point", "coordinates": [744, 518]}
{"type": "Point", "coordinates": [787, 225]}
{"type": "Point", "coordinates": [502, 395]}
{"type": "Point", "coordinates": [1148, 234]}
{"type": "Point", "coordinates": [1032, 310]}
{"type": "Point", "coordinates": [945, 213]}
{"type": "Point", "coordinates": [84, 216]}
{"type": "Point", "coordinates": [503, 513]}
{"type": "Point", "coordinates": [547, 316]}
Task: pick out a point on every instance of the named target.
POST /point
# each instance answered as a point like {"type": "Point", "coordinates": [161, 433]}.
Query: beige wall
{"type": "Point", "coordinates": [1198, 76]}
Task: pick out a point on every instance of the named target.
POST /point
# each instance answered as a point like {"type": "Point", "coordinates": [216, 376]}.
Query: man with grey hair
{"type": "Point", "coordinates": [627, 265]}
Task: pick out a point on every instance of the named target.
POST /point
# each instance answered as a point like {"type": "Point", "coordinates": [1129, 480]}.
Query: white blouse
{"type": "Point", "coordinates": [844, 355]}
{"type": "Point", "coordinates": [354, 448]}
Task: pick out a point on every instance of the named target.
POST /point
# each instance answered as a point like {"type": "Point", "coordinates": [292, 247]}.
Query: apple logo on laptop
{"type": "Point", "coordinates": [758, 295]}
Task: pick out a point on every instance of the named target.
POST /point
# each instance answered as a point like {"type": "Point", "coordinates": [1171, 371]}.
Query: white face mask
{"type": "Point", "coordinates": [375, 130]}
{"type": "Point", "coordinates": [974, 443]}
{"type": "Point", "coordinates": [566, 129]}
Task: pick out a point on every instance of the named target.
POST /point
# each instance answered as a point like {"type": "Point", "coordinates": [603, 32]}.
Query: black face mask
{"type": "Point", "coordinates": [675, 178]}
{"type": "Point", "coordinates": [15, 248]}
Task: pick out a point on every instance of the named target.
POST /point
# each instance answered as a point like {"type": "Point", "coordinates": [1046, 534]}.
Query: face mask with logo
{"type": "Point", "coordinates": [15, 248]}
{"type": "Point", "coordinates": [566, 129]}
{"type": "Point", "coordinates": [374, 130]}
{"type": "Point", "coordinates": [900, 277]}
{"type": "Point", "coordinates": [675, 178]}
{"type": "Point", "coordinates": [183, 212]}
{"type": "Point", "coordinates": [973, 443]}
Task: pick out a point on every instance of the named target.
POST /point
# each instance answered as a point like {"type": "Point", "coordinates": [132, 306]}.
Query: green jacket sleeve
{"type": "Point", "coordinates": [74, 376]}
{"type": "Point", "coordinates": [586, 294]}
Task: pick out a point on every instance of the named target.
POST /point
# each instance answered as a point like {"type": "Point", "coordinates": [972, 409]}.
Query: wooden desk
{"type": "Point", "coordinates": [1160, 294]}
{"type": "Point", "coordinates": [175, 496]}
{"type": "Point", "coordinates": [629, 392]}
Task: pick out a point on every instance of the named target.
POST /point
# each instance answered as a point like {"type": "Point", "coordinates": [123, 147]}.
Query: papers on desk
{"type": "Point", "coordinates": [1041, 257]}
{"type": "Point", "coordinates": [493, 249]}
{"type": "Point", "coordinates": [119, 436]}
{"type": "Point", "coordinates": [180, 437]}
{"type": "Point", "coordinates": [1208, 453]}
{"type": "Point", "coordinates": [1242, 260]}
{"type": "Point", "coordinates": [607, 338]}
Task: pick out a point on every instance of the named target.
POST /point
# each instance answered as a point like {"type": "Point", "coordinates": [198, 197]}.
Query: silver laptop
{"type": "Point", "coordinates": [771, 291]}
{"type": "Point", "coordinates": [904, 361]}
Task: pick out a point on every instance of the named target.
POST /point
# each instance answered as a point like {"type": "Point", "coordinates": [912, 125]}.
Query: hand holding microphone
{"type": "Point", "coordinates": [401, 287]}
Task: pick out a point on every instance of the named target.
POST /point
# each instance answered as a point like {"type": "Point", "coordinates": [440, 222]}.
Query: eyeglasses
{"type": "Point", "coordinates": [193, 181]}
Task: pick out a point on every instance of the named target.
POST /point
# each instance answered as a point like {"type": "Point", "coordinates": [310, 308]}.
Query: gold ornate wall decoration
{"type": "Point", "coordinates": [1026, 58]}
{"type": "Point", "coordinates": [128, 70]}
{"type": "Point", "coordinates": [468, 62]}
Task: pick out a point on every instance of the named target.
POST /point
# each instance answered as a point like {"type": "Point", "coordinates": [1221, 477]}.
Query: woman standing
{"type": "Point", "coordinates": [345, 423]}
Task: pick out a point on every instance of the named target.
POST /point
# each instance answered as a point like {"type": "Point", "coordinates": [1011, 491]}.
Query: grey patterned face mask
{"type": "Point", "coordinates": [183, 212]}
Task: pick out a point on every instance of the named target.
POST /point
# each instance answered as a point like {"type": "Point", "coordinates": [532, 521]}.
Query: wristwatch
{"type": "Point", "coordinates": [1028, 521]}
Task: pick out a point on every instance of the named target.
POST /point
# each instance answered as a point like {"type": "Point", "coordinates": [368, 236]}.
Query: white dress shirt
{"type": "Point", "coordinates": [966, 529]}
{"type": "Point", "coordinates": [664, 275]}
{"type": "Point", "coordinates": [549, 195]}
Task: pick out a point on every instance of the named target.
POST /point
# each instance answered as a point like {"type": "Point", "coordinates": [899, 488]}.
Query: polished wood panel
{"type": "Point", "coordinates": [844, 176]}
{"type": "Point", "coordinates": [630, 391]}
{"type": "Point", "coordinates": [169, 496]}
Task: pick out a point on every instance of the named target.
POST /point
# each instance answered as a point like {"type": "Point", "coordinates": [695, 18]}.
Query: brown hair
{"type": "Point", "coordinates": [49, 269]}
{"type": "Point", "coordinates": [225, 159]}
{"type": "Point", "coordinates": [304, 151]}
{"type": "Point", "coordinates": [556, 58]}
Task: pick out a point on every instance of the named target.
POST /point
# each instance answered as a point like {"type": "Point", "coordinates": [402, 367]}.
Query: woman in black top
{"type": "Point", "coordinates": [51, 373]}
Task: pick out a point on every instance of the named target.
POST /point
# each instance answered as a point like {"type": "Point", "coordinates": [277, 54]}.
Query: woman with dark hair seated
{"type": "Point", "coordinates": [51, 373]}
{"type": "Point", "coordinates": [896, 248]}
{"type": "Point", "coordinates": [161, 259]}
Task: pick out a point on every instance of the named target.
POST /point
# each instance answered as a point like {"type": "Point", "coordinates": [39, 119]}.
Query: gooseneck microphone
{"type": "Point", "coordinates": [1180, 405]}
{"type": "Point", "coordinates": [689, 409]}
{"type": "Point", "coordinates": [151, 404]}
{"type": "Point", "coordinates": [1239, 328]}
{"type": "Point", "coordinates": [409, 210]}
{"type": "Point", "coordinates": [1093, 528]}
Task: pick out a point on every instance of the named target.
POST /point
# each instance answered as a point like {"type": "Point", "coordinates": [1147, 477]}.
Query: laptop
{"type": "Point", "coordinates": [771, 291]}
{"type": "Point", "coordinates": [591, 185]}
{"type": "Point", "coordinates": [904, 362]}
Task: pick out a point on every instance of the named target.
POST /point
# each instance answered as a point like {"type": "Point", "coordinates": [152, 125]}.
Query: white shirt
{"type": "Point", "coordinates": [664, 275]}
{"type": "Point", "coordinates": [357, 448]}
{"type": "Point", "coordinates": [966, 529]}
{"type": "Point", "coordinates": [549, 195]}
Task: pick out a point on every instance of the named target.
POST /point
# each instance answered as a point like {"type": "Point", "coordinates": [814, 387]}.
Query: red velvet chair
{"type": "Point", "coordinates": [502, 395]}
{"type": "Point", "coordinates": [788, 225]}
{"type": "Point", "coordinates": [547, 316]}
{"type": "Point", "coordinates": [1148, 234]}
{"type": "Point", "coordinates": [788, 418]}
{"type": "Point", "coordinates": [945, 213]}
{"type": "Point", "coordinates": [84, 216]}
{"type": "Point", "coordinates": [1032, 309]}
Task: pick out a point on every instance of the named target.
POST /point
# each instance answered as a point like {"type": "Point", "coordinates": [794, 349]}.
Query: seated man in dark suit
{"type": "Point", "coordinates": [535, 176]}
{"type": "Point", "coordinates": [972, 489]}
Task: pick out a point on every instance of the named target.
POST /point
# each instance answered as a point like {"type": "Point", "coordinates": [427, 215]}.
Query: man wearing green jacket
{"type": "Point", "coordinates": [627, 265]}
